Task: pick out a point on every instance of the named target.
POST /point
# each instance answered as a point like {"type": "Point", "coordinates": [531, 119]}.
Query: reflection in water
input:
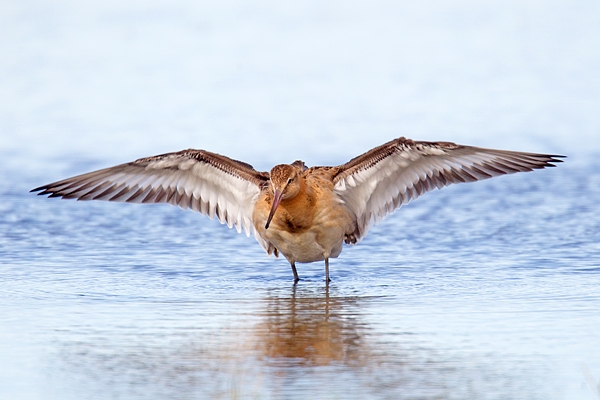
{"type": "Point", "coordinates": [294, 343]}
{"type": "Point", "coordinates": [305, 342]}
{"type": "Point", "coordinates": [312, 329]}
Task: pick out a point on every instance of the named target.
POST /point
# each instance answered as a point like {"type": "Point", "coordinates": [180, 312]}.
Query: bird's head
{"type": "Point", "coordinates": [285, 184]}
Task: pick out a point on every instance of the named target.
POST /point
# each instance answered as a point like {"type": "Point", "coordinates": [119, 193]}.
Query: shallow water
{"type": "Point", "coordinates": [473, 292]}
{"type": "Point", "coordinates": [481, 291]}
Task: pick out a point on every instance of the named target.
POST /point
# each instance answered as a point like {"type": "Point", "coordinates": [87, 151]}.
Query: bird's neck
{"type": "Point", "coordinates": [301, 198]}
{"type": "Point", "coordinates": [298, 210]}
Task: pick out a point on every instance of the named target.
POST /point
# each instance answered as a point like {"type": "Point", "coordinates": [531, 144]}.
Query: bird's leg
{"type": "Point", "coordinates": [327, 280]}
{"type": "Point", "coordinates": [296, 277]}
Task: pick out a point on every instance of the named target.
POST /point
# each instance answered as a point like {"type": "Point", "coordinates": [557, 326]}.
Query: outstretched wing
{"type": "Point", "coordinates": [376, 183]}
{"type": "Point", "coordinates": [209, 183]}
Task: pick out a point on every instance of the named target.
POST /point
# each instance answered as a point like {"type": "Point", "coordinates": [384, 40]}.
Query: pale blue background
{"type": "Point", "coordinates": [322, 81]}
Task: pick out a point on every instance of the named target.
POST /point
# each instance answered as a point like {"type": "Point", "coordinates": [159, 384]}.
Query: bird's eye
{"type": "Point", "coordinates": [289, 181]}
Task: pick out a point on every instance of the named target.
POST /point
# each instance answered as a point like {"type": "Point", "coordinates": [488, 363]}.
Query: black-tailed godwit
{"type": "Point", "coordinates": [303, 213]}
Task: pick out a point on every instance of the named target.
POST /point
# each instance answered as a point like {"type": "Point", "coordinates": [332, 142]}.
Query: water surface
{"type": "Point", "coordinates": [464, 294]}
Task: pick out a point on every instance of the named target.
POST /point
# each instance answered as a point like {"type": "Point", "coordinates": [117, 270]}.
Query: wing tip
{"type": "Point", "coordinates": [38, 189]}
{"type": "Point", "coordinates": [551, 160]}
{"type": "Point", "coordinates": [44, 191]}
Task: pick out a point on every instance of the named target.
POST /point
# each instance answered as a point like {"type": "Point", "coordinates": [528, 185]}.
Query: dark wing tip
{"type": "Point", "coordinates": [552, 159]}
{"type": "Point", "coordinates": [46, 191]}
{"type": "Point", "coordinates": [39, 189]}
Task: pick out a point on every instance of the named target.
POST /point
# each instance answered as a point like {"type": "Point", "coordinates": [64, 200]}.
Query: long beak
{"type": "Point", "coordinates": [276, 200]}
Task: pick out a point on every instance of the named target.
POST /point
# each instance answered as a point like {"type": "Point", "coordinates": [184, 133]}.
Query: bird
{"type": "Point", "coordinates": [305, 214]}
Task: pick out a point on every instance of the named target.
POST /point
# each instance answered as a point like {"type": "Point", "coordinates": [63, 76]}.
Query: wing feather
{"type": "Point", "coordinates": [378, 182]}
{"type": "Point", "coordinates": [205, 182]}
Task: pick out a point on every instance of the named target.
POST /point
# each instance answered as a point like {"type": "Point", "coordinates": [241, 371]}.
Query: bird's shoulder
{"type": "Point", "coordinates": [321, 177]}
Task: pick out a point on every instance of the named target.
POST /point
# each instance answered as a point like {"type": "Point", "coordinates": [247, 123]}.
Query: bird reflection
{"type": "Point", "coordinates": [302, 335]}
{"type": "Point", "coordinates": [313, 328]}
